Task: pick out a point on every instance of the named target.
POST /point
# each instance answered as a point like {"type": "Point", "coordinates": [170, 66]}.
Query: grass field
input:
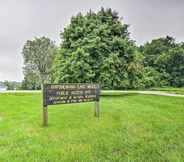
{"type": "Point", "coordinates": [170, 90]}
{"type": "Point", "coordinates": [132, 128]}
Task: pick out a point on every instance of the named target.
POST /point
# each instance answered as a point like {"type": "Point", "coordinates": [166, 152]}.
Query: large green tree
{"type": "Point", "coordinates": [174, 63]}
{"type": "Point", "coordinates": [38, 57]}
{"type": "Point", "coordinates": [154, 49]}
{"type": "Point", "coordinates": [165, 60]}
{"type": "Point", "coordinates": [154, 60]}
{"type": "Point", "coordinates": [96, 48]}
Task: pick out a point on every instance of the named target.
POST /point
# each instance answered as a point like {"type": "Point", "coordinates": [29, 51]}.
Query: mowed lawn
{"type": "Point", "coordinates": [170, 90]}
{"type": "Point", "coordinates": [132, 128]}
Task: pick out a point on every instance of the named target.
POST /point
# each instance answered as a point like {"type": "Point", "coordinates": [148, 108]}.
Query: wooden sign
{"type": "Point", "coordinates": [69, 93]}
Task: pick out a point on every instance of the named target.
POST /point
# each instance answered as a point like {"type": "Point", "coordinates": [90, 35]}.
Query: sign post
{"type": "Point", "coordinates": [97, 111]}
{"type": "Point", "coordinates": [45, 116]}
{"type": "Point", "coordinates": [45, 108]}
{"type": "Point", "coordinates": [69, 93]}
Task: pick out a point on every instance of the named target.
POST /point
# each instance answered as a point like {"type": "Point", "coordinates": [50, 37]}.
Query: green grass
{"type": "Point", "coordinates": [132, 128]}
{"type": "Point", "coordinates": [170, 90]}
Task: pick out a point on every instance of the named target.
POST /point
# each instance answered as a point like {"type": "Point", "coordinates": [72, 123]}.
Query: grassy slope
{"type": "Point", "coordinates": [136, 128]}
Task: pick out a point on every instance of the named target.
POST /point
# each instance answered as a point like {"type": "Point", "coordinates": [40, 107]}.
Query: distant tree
{"type": "Point", "coordinates": [9, 85]}
{"type": "Point", "coordinates": [38, 57]}
{"type": "Point", "coordinates": [174, 63]}
{"type": "Point", "coordinates": [96, 48]}
{"type": "Point", "coordinates": [31, 80]}
{"type": "Point", "coordinates": [153, 50]}
{"type": "Point", "coordinates": [155, 53]}
{"type": "Point", "coordinates": [12, 85]}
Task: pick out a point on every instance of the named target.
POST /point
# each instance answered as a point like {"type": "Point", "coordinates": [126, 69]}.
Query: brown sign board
{"type": "Point", "coordinates": [70, 93]}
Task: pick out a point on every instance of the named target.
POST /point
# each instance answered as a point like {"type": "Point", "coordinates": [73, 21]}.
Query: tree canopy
{"type": "Point", "coordinates": [166, 57]}
{"type": "Point", "coordinates": [38, 57]}
{"type": "Point", "coordinates": [96, 47]}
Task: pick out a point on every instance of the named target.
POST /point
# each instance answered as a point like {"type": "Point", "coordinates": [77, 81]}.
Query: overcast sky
{"type": "Point", "coordinates": [21, 20]}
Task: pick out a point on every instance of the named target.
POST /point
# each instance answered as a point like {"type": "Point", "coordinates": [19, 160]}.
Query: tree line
{"type": "Point", "coordinates": [97, 48]}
